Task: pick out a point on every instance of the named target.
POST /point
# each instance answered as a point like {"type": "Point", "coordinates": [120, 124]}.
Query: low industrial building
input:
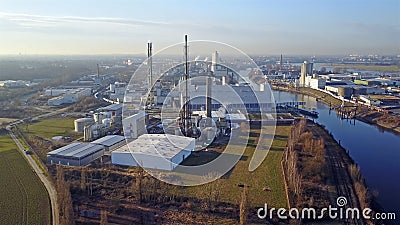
{"type": "Point", "coordinates": [370, 101]}
{"type": "Point", "coordinates": [315, 82]}
{"type": "Point", "coordinates": [76, 154]}
{"type": "Point", "coordinates": [154, 151]}
{"type": "Point", "coordinates": [347, 91]}
{"type": "Point", "coordinates": [110, 142]}
{"type": "Point", "coordinates": [115, 109]}
{"type": "Point", "coordinates": [344, 91]}
{"type": "Point", "coordinates": [71, 96]}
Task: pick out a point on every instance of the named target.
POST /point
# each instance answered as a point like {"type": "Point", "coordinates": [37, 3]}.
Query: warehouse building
{"type": "Point", "coordinates": [110, 142]}
{"type": "Point", "coordinates": [154, 151]}
{"type": "Point", "coordinates": [76, 154]}
{"type": "Point", "coordinates": [71, 96]}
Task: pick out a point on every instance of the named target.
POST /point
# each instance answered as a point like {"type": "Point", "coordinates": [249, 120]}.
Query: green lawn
{"type": "Point", "coordinates": [267, 176]}
{"type": "Point", "coordinates": [23, 198]}
{"type": "Point", "coordinates": [49, 128]}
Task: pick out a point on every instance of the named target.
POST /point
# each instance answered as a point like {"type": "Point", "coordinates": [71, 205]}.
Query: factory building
{"type": "Point", "coordinates": [154, 151]}
{"type": "Point", "coordinates": [110, 142]}
{"type": "Point", "coordinates": [80, 124]}
{"type": "Point", "coordinates": [93, 131]}
{"type": "Point", "coordinates": [233, 97]}
{"type": "Point", "coordinates": [55, 92]}
{"type": "Point", "coordinates": [308, 79]}
{"type": "Point", "coordinates": [75, 154]}
{"type": "Point", "coordinates": [134, 125]}
{"type": "Point", "coordinates": [347, 91]}
{"type": "Point", "coordinates": [115, 109]}
{"type": "Point", "coordinates": [117, 91]}
{"type": "Point", "coordinates": [71, 96]}
{"type": "Point", "coordinates": [315, 82]}
{"type": "Point", "coordinates": [306, 70]}
{"type": "Point", "coordinates": [344, 91]}
{"type": "Point", "coordinates": [370, 101]}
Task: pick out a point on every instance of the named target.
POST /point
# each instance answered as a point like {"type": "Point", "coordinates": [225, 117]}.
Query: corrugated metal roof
{"type": "Point", "coordinates": [84, 151]}
{"type": "Point", "coordinates": [109, 140]}
{"type": "Point", "coordinates": [76, 150]}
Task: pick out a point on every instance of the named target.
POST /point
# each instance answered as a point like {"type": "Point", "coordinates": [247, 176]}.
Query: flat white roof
{"type": "Point", "coordinates": [109, 140]}
{"type": "Point", "coordinates": [165, 145]}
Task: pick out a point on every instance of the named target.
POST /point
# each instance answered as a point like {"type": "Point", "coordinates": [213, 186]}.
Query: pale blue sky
{"type": "Point", "coordinates": [256, 27]}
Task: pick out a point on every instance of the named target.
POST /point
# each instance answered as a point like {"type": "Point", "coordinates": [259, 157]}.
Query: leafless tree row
{"type": "Point", "coordinates": [64, 198]}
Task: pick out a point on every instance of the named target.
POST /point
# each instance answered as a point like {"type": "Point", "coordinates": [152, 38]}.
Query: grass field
{"type": "Point", "coordinates": [49, 128]}
{"type": "Point", "coordinates": [267, 176]}
{"type": "Point", "coordinates": [23, 198]}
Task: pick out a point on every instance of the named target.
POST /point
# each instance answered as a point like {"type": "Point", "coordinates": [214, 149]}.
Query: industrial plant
{"type": "Point", "coordinates": [193, 103]}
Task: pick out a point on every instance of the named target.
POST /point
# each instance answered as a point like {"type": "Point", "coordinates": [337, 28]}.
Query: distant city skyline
{"type": "Point", "coordinates": [288, 27]}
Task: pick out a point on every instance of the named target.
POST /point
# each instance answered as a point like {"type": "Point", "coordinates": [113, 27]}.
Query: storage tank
{"type": "Point", "coordinates": [112, 88]}
{"type": "Point", "coordinates": [80, 123]}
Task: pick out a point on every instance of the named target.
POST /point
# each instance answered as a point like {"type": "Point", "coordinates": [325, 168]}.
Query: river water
{"type": "Point", "coordinates": [376, 151]}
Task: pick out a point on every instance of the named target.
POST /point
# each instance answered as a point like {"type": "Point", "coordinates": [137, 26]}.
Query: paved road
{"type": "Point", "coordinates": [47, 183]}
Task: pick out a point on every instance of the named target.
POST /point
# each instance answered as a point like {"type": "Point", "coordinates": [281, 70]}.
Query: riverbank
{"type": "Point", "coordinates": [364, 113]}
{"type": "Point", "coordinates": [318, 170]}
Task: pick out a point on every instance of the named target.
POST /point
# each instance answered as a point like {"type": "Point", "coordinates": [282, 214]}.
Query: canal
{"type": "Point", "coordinates": [376, 151]}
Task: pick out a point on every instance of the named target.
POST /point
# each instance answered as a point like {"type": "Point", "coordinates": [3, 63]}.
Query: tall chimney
{"type": "Point", "coordinates": [208, 97]}
{"type": "Point", "coordinates": [150, 64]}
{"type": "Point", "coordinates": [186, 112]}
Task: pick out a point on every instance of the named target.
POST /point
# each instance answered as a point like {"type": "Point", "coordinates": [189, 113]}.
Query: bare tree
{"type": "Point", "coordinates": [64, 198]}
{"type": "Point", "coordinates": [103, 217]}
{"type": "Point", "coordinates": [211, 191]}
{"type": "Point", "coordinates": [243, 207]}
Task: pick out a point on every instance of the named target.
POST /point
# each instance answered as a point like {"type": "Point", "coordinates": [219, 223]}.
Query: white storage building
{"type": "Point", "coordinates": [110, 142]}
{"type": "Point", "coordinates": [76, 154]}
{"type": "Point", "coordinates": [154, 151]}
{"type": "Point", "coordinates": [134, 125]}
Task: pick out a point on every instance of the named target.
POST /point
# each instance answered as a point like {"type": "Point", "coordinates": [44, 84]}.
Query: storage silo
{"type": "Point", "coordinates": [80, 123]}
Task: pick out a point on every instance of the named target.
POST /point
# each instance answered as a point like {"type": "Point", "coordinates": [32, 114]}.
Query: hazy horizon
{"type": "Point", "coordinates": [256, 27]}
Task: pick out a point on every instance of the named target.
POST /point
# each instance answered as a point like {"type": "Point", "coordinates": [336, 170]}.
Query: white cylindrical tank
{"type": "Point", "coordinates": [80, 123]}
{"type": "Point", "coordinates": [262, 87]}
{"type": "Point", "coordinates": [112, 87]}
{"type": "Point", "coordinates": [97, 117]}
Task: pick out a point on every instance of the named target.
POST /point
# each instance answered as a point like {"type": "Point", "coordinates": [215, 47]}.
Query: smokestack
{"type": "Point", "coordinates": [208, 96]}
{"type": "Point", "coordinates": [150, 63]}
{"type": "Point", "coordinates": [186, 112]}
{"type": "Point", "coordinates": [98, 71]}
{"type": "Point", "coordinates": [281, 61]}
